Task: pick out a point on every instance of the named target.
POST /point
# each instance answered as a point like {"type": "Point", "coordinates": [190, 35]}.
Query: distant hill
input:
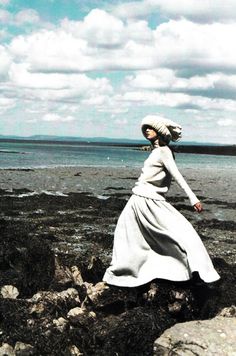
{"type": "Point", "coordinates": [105, 140]}
{"type": "Point", "coordinates": [71, 139]}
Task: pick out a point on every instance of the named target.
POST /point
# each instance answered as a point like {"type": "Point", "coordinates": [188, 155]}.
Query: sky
{"type": "Point", "coordinates": [95, 68]}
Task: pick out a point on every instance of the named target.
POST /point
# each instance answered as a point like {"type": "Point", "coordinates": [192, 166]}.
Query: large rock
{"type": "Point", "coordinates": [216, 336]}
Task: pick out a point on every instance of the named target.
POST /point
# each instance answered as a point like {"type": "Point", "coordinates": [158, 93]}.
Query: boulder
{"type": "Point", "coordinates": [216, 336]}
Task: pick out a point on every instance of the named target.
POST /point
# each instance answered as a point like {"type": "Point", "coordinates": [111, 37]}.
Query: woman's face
{"type": "Point", "coordinates": [149, 133]}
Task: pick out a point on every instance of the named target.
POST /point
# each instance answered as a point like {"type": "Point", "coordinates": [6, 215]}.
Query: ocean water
{"type": "Point", "coordinates": [40, 155]}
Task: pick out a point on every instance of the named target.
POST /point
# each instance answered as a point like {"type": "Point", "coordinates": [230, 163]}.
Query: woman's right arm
{"type": "Point", "coordinates": [169, 163]}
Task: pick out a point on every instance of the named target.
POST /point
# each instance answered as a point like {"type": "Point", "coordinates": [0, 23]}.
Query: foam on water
{"type": "Point", "coordinates": [30, 194]}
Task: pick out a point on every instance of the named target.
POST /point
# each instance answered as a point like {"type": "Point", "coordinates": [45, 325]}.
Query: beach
{"type": "Point", "coordinates": [215, 188]}
{"type": "Point", "coordinates": [69, 215]}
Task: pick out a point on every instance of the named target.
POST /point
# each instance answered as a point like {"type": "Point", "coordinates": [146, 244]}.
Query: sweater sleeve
{"type": "Point", "coordinates": [169, 163]}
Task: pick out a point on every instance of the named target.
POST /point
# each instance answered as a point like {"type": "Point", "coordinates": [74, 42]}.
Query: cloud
{"type": "Point", "coordinates": [181, 45]}
{"type": "Point", "coordinates": [144, 98]}
{"type": "Point", "coordinates": [54, 86]}
{"type": "Point", "coordinates": [186, 46]}
{"type": "Point", "coordinates": [51, 63]}
{"type": "Point", "coordinates": [102, 29]}
{"type": "Point", "coordinates": [53, 117]}
{"type": "Point", "coordinates": [22, 20]}
{"type": "Point", "coordinates": [4, 2]}
{"type": "Point", "coordinates": [29, 16]}
{"type": "Point", "coordinates": [195, 10]}
{"type": "Point", "coordinates": [4, 63]}
{"type": "Point", "coordinates": [6, 104]}
{"type": "Point", "coordinates": [226, 122]}
{"type": "Point", "coordinates": [85, 47]}
{"type": "Point", "coordinates": [211, 85]}
{"type": "Point", "coordinates": [5, 16]}
{"type": "Point", "coordinates": [109, 67]}
{"type": "Point", "coordinates": [21, 76]}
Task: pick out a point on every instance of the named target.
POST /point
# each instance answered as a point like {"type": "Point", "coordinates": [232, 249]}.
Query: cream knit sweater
{"type": "Point", "coordinates": [156, 175]}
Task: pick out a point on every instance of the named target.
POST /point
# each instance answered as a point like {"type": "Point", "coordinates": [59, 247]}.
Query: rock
{"type": "Point", "coordinates": [60, 324]}
{"type": "Point", "coordinates": [228, 312]}
{"type": "Point", "coordinates": [62, 274]}
{"type": "Point", "coordinates": [216, 336]}
{"type": "Point", "coordinates": [22, 349]}
{"type": "Point", "coordinates": [37, 309]}
{"type": "Point", "coordinates": [80, 316]}
{"type": "Point", "coordinates": [76, 276]}
{"type": "Point", "coordinates": [174, 308]}
{"type": "Point", "coordinates": [74, 351]}
{"type": "Point", "coordinates": [6, 350]}
{"type": "Point", "coordinates": [95, 292]}
{"type": "Point", "coordinates": [152, 293]}
{"type": "Point", "coordinates": [9, 291]}
{"type": "Point", "coordinates": [113, 299]}
{"type": "Point", "coordinates": [41, 302]}
{"type": "Point", "coordinates": [70, 293]}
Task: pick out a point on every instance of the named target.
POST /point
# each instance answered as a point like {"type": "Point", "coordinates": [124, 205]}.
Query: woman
{"type": "Point", "coordinates": [152, 239]}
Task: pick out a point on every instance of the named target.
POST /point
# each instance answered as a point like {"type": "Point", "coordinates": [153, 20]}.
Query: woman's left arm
{"type": "Point", "coordinates": [171, 166]}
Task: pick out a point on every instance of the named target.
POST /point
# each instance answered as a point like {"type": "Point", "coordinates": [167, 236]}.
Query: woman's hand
{"type": "Point", "coordinates": [198, 207]}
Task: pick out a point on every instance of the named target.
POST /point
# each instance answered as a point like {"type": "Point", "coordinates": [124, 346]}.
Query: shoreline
{"type": "Point", "coordinates": [210, 181]}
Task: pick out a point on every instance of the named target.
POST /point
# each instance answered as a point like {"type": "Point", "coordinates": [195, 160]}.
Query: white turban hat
{"type": "Point", "coordinates": [169, 130]}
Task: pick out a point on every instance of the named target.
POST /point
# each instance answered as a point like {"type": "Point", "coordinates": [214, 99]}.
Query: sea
{"type": "Point", "coordinates": [26, 155]}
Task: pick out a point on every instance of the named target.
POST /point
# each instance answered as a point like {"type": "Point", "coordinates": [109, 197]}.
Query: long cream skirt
{"type": "Point", "coordinates": [153, 240]}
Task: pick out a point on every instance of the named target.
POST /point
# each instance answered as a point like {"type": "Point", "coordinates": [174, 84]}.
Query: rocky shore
{"type": "Point", "coordinates": [56, 241]}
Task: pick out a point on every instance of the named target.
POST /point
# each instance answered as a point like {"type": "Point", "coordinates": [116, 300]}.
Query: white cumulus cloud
{"type": "Point", "coordinates": [211, 85]}
{"type": "Point", "coordinates": [191, 47]}
{"type": "Point", "coordinates": [53, 117]}
{"type": "Point", "coordinates": [102, 29]}
{"type": "Point", "coordinates": [180, 45]}
{"type": "Point", "coordinates": [194, 10]}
